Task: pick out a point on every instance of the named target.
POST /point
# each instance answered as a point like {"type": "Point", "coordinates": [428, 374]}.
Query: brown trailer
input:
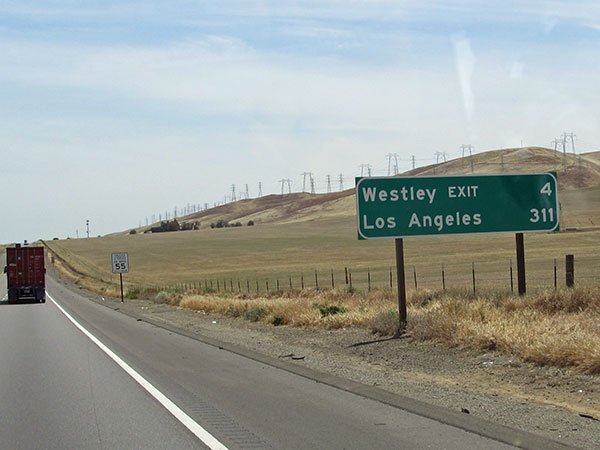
{"type": "Point", "coordinates": [26, 273]}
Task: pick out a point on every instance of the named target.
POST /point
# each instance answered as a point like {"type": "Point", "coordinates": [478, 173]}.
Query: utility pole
{"type": "Point", "coordinates": [328, 184]}
{"type": "Point", "coordinates": [341, 182]}
{"type": "Point", "coordinates": [502, 162]}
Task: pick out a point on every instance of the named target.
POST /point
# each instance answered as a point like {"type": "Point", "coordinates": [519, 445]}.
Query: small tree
{"type": "Point", "coordinates": [250, 223]}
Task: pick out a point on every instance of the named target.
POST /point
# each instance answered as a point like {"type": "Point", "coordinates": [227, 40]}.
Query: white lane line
{"type": "Point", "coordinates": [207, 438]}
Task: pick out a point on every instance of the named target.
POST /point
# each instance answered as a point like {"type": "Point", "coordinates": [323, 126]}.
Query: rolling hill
{"type": "Point", "coordinates": [578, 175]}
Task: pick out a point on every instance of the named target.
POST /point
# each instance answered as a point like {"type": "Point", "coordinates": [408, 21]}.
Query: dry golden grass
{"type": "Point", "coordinates": [551, 328]}
{"type": "Point", "coordinates": [306, 308]}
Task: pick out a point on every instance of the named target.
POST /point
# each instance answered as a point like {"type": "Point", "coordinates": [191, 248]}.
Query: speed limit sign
{"type": "Point", "coordinates": [120, 263]}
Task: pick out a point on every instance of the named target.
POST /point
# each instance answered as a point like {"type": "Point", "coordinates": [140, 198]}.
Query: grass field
{"type": "Point", "coordinates": [274, 252]}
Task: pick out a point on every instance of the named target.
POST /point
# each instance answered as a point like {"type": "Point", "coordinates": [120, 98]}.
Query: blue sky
{"type": "Point", "coordinates": [116, 111]}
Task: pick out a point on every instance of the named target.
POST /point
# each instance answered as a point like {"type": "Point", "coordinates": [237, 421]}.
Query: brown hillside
{"type": "Point", "coordinates": [574, 172]}
{"type": "Point", "coordinates": [592, 156]}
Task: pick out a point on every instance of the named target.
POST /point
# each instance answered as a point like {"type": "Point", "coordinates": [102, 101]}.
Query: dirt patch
{"type": "Point", "coordinates": [552, 402]}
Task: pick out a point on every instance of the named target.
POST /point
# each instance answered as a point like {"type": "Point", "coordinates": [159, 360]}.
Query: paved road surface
{"type": "Point", "coordinates": [59, 390]}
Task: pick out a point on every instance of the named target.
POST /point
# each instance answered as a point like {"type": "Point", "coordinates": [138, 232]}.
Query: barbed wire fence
{"type": "Point", "coordinates": [478, 276]}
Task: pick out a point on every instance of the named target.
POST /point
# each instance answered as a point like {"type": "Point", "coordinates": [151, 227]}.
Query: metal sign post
{"type": "Point", "coordinates": [400, 276]}
{"type": "Point", "coordinates": [120, 265]}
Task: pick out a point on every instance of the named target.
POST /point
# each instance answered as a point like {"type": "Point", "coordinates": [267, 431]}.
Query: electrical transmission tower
{"type": "Point", "coordinates": [247, 193]}
{"type": "Point", "coordinates": [363, 167]}
{"type": "Point", "coordinates": [304, 175]}
{"type": "Point", "coordinates": [442, 155]}
{"type": "Point", "coordinates": [341, 182]}
{"type": "Point", "coordinates": [465, 147]}
{"type": "Point", "coordinates": [312, 184]}
{"type": "Point", "coordinates": [569, 135]}
{"type": "Point", "coordinates": [557, 142]}
{"type": "Point", "coordinates": [233, 199]}
{"type": "Point", "coordinates": [395, 157]}
{"type": "Point", "coordinates": [468, 147]}
{"type": "Point", "coordinates": [564, 146]}
{"type": "Point", "coordinates": [438, 156]}
{"type": "Point", "coordinates": [283, 182]}
{"type": "Point", "coordinates": [259, 189]}
{"type": "Point", "coordinates": [328, 184]}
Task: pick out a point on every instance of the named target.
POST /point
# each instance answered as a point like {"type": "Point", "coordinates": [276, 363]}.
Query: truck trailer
{"type": "Point", "coordinates": [26, 273]}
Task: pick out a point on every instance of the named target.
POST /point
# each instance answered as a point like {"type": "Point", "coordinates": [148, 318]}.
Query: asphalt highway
{"type": "Point", "coordinates": [60, 390]}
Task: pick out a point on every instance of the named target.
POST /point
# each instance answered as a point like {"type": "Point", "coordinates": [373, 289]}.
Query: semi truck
{"type": "Point", "coordinates": [26, 273]}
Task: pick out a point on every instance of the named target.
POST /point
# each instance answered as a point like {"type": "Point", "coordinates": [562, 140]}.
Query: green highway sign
{"type": "Point", "coordinates": [424, 206]}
